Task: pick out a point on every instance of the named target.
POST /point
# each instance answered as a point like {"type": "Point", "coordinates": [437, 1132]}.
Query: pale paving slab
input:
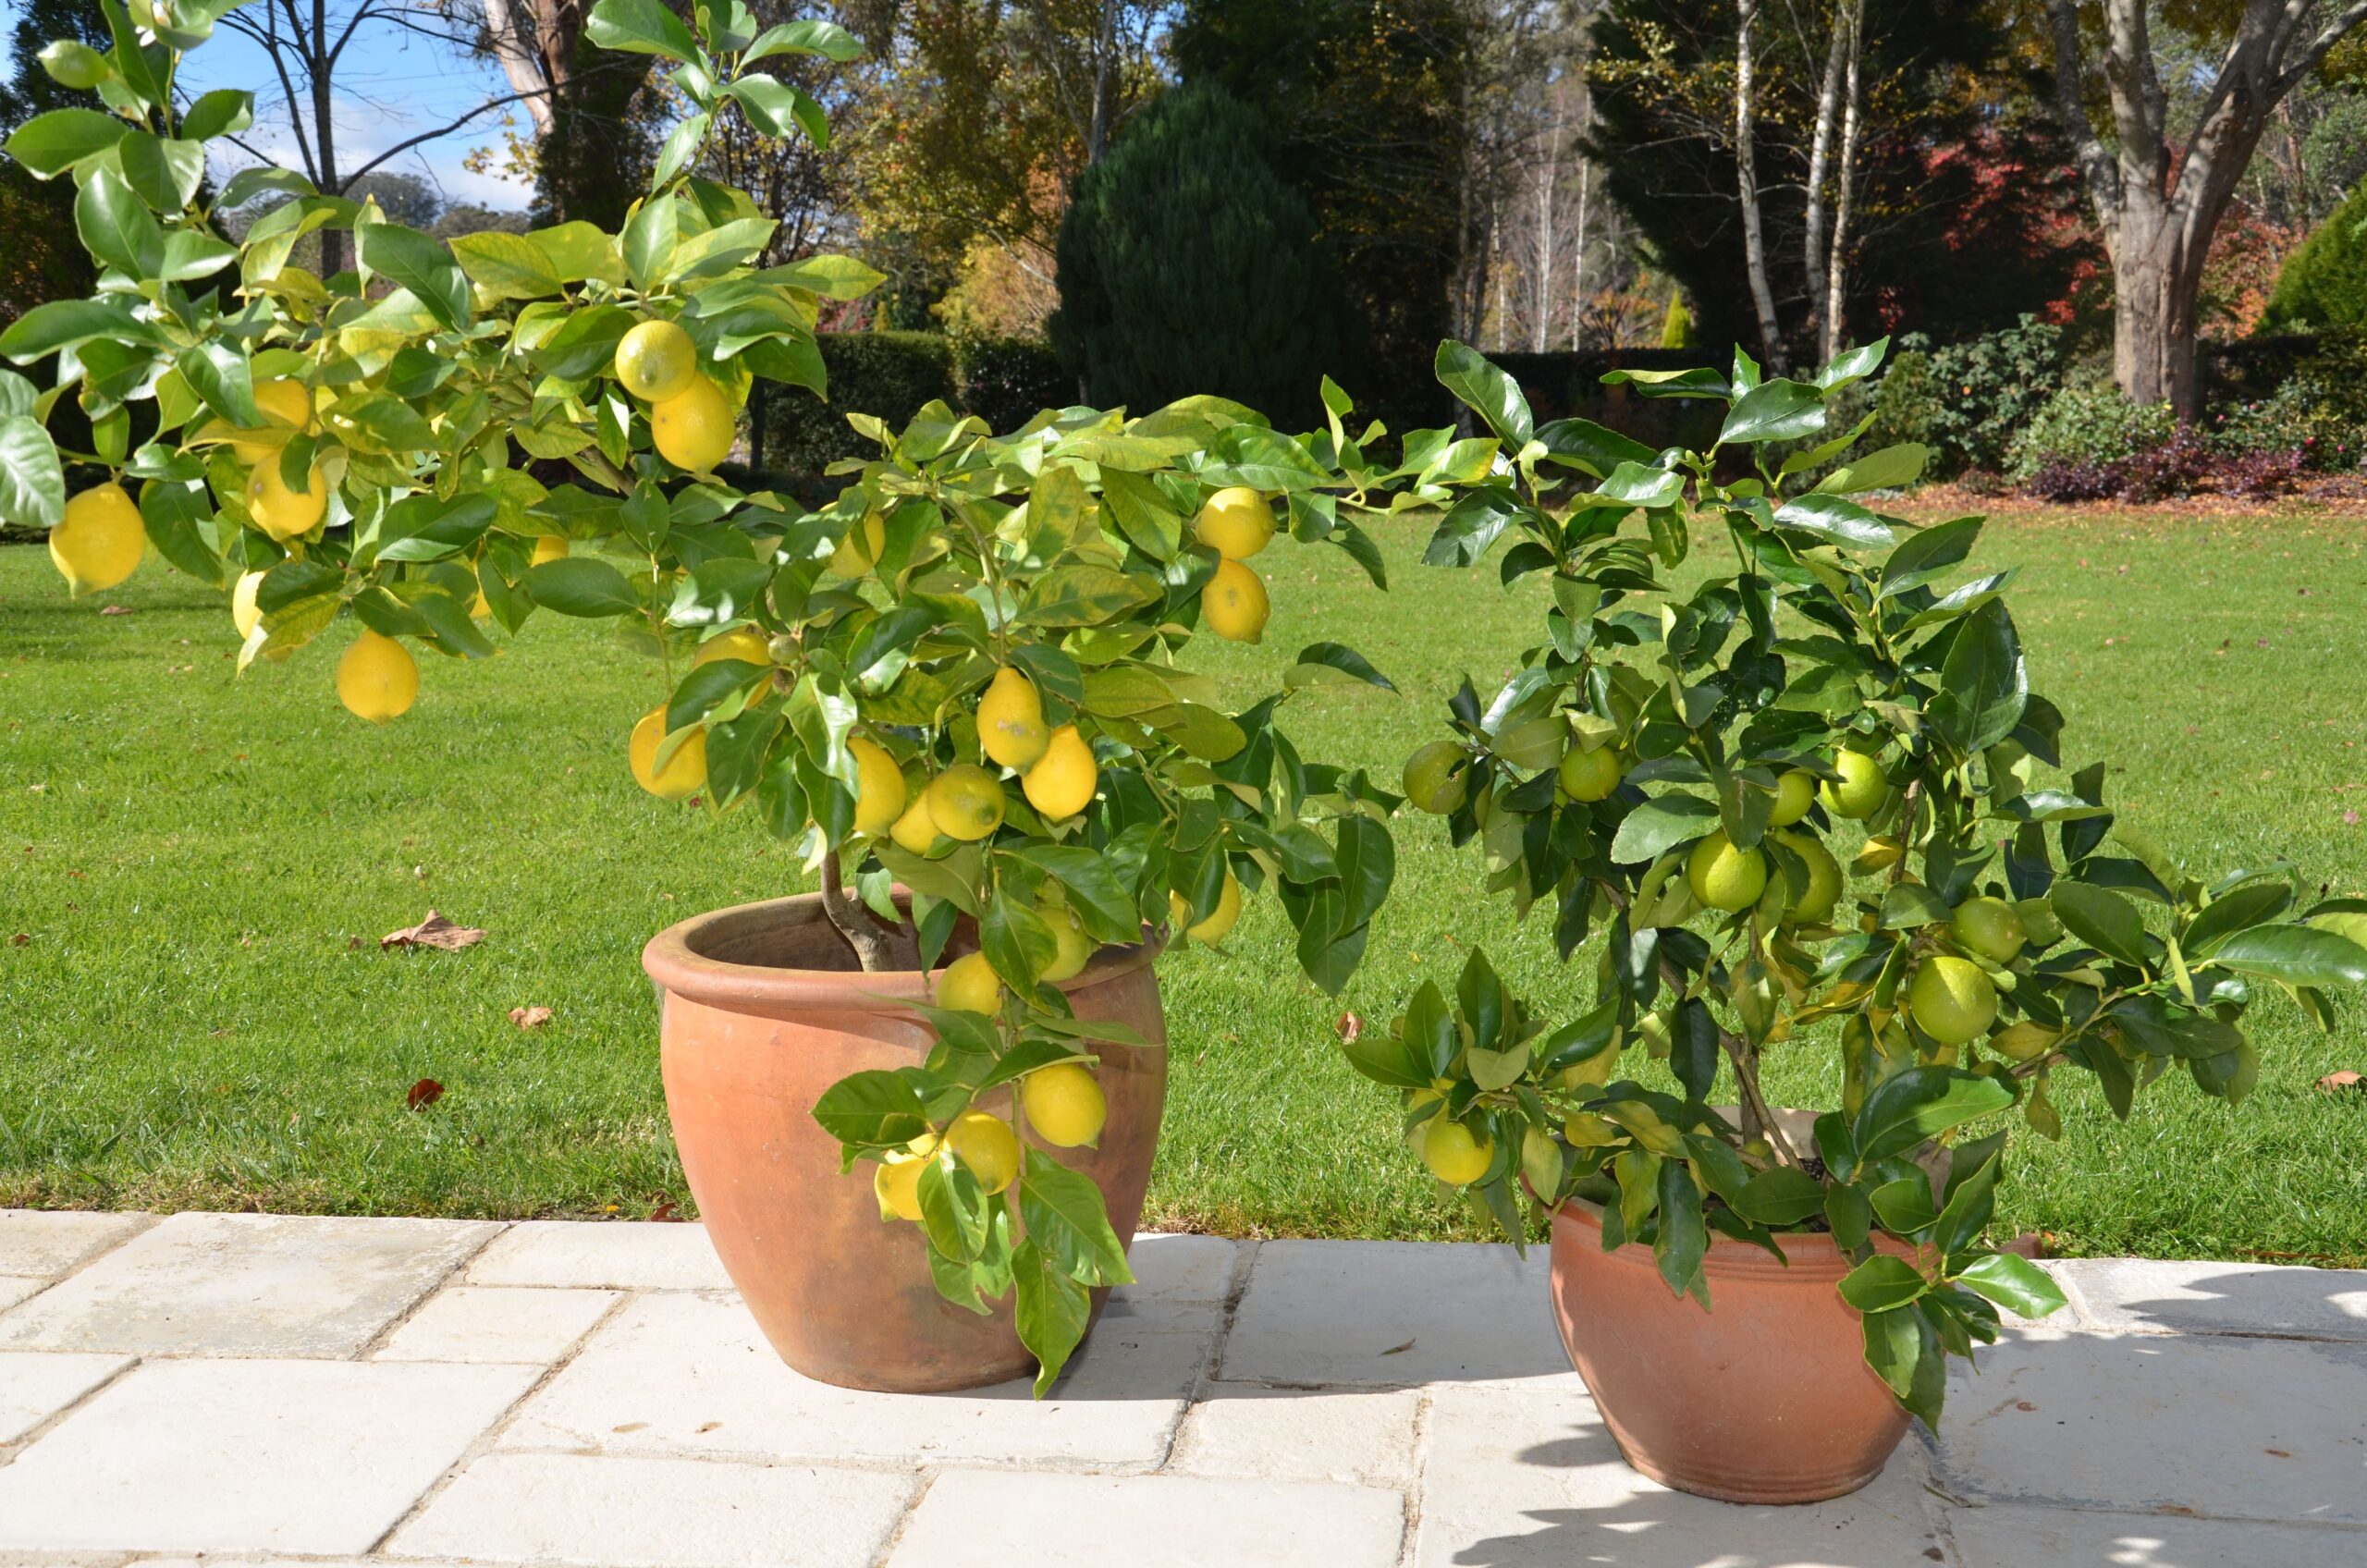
{"type": "Point", "coordinates": [2145, 1297]}
{"type": "Point", "coordinates": [246, 1284]}
{"type": "Point", "coordinates": [2055, 1537]}
{"type": "Point", "coordinates": [41, 1243]}
{"type": "Point", "coordinates": [2226, 1427]}
{"type": "Point", "coordinates": [1530, 1478]}
{"type": "Point", "coordinates": [255, 1456]}
{"type": "Point", "coordinates": [679, 1374]}
{"type": "Point", "coordinates": [1402, 1313]}
{"type": "Point", "coordinates": [34, 1387]}
{"type": "Point", "coordinates": [496, 1323]}
{"type": "Point", "coordinates": [971, 1517]}
{"type": "Point", "coordinates": [657, 1514]}
{"type": "Point", "coordinates": [1364, 1437]}
{"type": "Point", "coordinates": [13, 1291]}
{"type": "Point", "coordinates": [1179, 1268]}
{"type": "Point", "coordinates": [585, 1255]}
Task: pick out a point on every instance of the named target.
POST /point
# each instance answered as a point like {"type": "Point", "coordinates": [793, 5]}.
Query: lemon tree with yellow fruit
{"type": "Point", "coordinates": [955, 688]}
{"type": "Point", "coordinates": [1800, 798]}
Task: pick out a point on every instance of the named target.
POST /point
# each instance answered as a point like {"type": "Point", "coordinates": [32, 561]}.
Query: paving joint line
{"type": "Point", "coordinates": [435, 1287]}
{"type": "Point", "coordinates": [51, 1281]}
{"type": "Point", "coordinates": [1244, 1261]}
{"type": "Point", "coordinates": [924, 1479]}
{"type": "Point", "coordinates": [10, 1452]}
{"type": "Point", "coordinates": [485, 1442]}
{"type": "Point", "coordinates": [1418, 1480]}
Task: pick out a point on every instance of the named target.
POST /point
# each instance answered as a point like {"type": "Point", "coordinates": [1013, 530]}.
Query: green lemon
{"type": "Point", "coordinates": [1989, 926]}
{"type": "Point", "coordinates": [1795, 793]}
{"type": "Point", "coordinates": [1951, 1000]}
{"type": "Point", "coordinates": [1862, 790]}
{"type": "Point", "coordinates": [1436, 778]}
{"type": "Point", "coordinates": [1722, 877]}
{"type": "Point", "coordinates": [1815, 906]}
{"type": "Point", "coordinates": [1590, 775]}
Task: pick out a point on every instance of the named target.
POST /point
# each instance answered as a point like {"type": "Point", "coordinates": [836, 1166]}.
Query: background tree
{"type": "Point", "coordinates": [1188, 265]}
{"type": "Point", "coordinates": [1963, 213]}
{"type": "Point", "coordinates": [309, 43]}
{"type": "Point", "coordinates": [2324, 283]}
{"type": "Point", "coordinates": [2159, 198]}
{"type": "Point", "coordinates": [1370, 105]}
{"type": "Point", "coordinates": [986, 112]}
{"type": "Point", "coordinates": [39, 258]}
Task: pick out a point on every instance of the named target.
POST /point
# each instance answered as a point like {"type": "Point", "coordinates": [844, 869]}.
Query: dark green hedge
{"type": "Point", "coordinates": [893, 376]}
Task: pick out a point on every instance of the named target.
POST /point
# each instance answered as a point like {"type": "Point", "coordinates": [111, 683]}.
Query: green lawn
{"type": "Point", "coordinates": [198, 1014]}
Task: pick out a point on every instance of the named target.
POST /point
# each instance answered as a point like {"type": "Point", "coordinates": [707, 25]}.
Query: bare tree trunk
{"type": "Point", "coordinates": [1542, 290]}
{"type": "Point", "coordinates": [335, 253]}
{"type": "Point", "coordinates": [1836, 278]}
{"type": "Point", "coordinates": [1747, 172]}
{"type": "Point", "coordinates": [1105, 61]}
{"type": "Point", "coordinates": [1828, 109]}
{"type": "Point", "coordinates": [877, 946]}
{"type": "Point", "coordinates": [1579, 256]}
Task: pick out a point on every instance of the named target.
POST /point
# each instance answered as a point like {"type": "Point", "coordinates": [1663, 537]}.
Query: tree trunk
{"type": "Point", "coordinates": [336, 253]}
{"type": "Point", "coordinates": [2156, 290]}
{"type": "Point", "coordinates": [1828, 110]}
{"type": "Point", "coordinates": [1836, 292]}
{"type": "Point", "coordinates": [1771, 338]}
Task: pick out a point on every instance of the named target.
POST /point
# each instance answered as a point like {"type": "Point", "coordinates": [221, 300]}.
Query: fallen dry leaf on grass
{"type": "Point", "coordinates": [116, 609]}
{"type": "Point", "coordinates": [529, 1017]}
{"type": "Point", "coordinates": [425, 1093]}
{"type": "Point", "coordinates": [1348, 1026]}
{"type": "Point", "coordinates": [434, 932]}
{"type": "Point", "coordinates": [2346, 1079]}
{"type": "Point", "coordinates": [667, 1214]}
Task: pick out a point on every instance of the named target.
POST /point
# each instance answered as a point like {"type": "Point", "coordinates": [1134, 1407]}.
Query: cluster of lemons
{"type": "Point", "coordinates": [1951, 998]}
{"type": "Point", "coordinates": [1064, 1108]}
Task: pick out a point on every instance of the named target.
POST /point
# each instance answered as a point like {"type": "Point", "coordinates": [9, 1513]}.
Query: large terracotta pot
{"type": "Point", "coordinates": [764, 1008]}
{"type": "Point", "coordinates": [1764, 1398]}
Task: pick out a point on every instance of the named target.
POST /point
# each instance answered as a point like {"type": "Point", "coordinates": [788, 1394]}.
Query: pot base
{"type": "Point", "coordinates": [1766, 1398]}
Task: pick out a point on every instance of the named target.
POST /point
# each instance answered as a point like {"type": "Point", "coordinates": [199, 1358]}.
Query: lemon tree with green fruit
{"type": "Point", "coordinates": [1797, 797]}
{"type": "Point", "coordinates": [956, 689]}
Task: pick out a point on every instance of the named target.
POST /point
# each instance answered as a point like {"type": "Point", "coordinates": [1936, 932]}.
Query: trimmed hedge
{"type": "Point", "coordinates": [893, 374]}
{"type": "Point", "coordinates": [2324, 283]}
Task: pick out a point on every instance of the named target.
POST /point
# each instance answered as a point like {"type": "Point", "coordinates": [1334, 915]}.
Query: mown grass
{"type": "Point", "coordinates": [199, 1015]}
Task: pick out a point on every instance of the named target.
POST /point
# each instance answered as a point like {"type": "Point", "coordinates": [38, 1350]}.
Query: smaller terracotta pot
{"type": "Point", "coordinates": [1764, 1398]}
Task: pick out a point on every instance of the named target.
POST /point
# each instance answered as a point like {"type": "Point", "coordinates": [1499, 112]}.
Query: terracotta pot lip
{"type": "Point", "coordinates": [1815, 1259]}
{"type": "Point", "coordinates": [675, 959]}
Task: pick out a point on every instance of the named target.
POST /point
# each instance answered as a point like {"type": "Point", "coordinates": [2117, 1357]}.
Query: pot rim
{"type": "Point", "coordinates": [1815, 1257]}
{"type": "Point", "coordinates": [672, 959]}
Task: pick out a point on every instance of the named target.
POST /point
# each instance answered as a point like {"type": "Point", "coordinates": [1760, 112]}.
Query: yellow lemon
{"type": "Point", "coordinates": [1863, 788]}
{"type": "Point", "coordinates": [1815, 906]}
{"type": "Point", "coordinates": [1235, 522]}
{"type": "Point", "coordinates": [1010, 721]}
{"type": "Point", "coordinates": [1437, 779]}
{"type": "Point", "coordinates": [695, 428]}
{"type": "Point", "coordinates": [279, 511]}
{"type": "Point", "coordinates": [970, 985]}
{"type": "Point", "coordinates": [1233, 603]}
{"type": "Point", "coordinates": [988, 1146]}
{"type": "Point", "coordinates": [1220, 919]}
{"type": "Point", "coordinates": [742, 643]}
{"type": "Point", "coordinates": [2025, 1041]}
{"type": "Point", "coordinates": [879, 787]}
{"type": "Point", "coordinates": [1724, 877]}
{"type": "Point", "coordinates": [965, 801]}
{"type": "Point", "coordinates": [1877, 854]}
{"type": "Point", "coordinates": [1064, 1104]}
{"type": "Point", "coordinates": [1454, 1154]}
{"type": "Point", "coordinates": [1795, 793]}
{"type": "Point", "coordinates": [100, 541]}
{"type": "Point", "coordinates": [282, 403]}
{"type": "Point", "coordinates": [915, 831]}
{"type": "Point", "coordinates": [1061, 784]}
{"type": "Point", "coordinates": [377, 678]}
{"type": "Point", "coordinates": [1952, 1000]}
{"type": "Point", "coordinates": [1589, 775]}
{"type": "Point", "coordinates": [245, 614]}
{"type": "Point", "coordinates": [683, 772]}
{"type": "Point", "coordinates": [656, 360]}
{"type": "Point", "coordinates": [1072, 950]}
{"type": "Point", "coordinates": [897, 1182]}
{"type": "Point", "coordinates": [551, 547]}
{"type": "Point", "coordinates": [1990, 927]}
{"type": "Point", "coordinates": [859, 551]}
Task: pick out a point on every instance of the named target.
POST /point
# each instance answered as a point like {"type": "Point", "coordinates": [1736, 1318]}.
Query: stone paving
{"type": "Point", "coordinates": [405, 1392]}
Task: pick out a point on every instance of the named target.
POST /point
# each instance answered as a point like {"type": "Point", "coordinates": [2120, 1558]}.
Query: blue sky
{"type": "Point", "coordinates": [393, 85]}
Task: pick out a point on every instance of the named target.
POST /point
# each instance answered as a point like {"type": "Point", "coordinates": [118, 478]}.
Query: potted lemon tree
{"type": "Point", "coordinates": [932, 1087]}
{"type": "Point", "coordinates": [1798, 796]}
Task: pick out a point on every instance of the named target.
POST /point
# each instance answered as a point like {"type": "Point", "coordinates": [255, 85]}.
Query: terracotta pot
{"type": "Point", "coordinates": [1764, 1398]}
{"type": "Point", "coordinates": [764, 1008]}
